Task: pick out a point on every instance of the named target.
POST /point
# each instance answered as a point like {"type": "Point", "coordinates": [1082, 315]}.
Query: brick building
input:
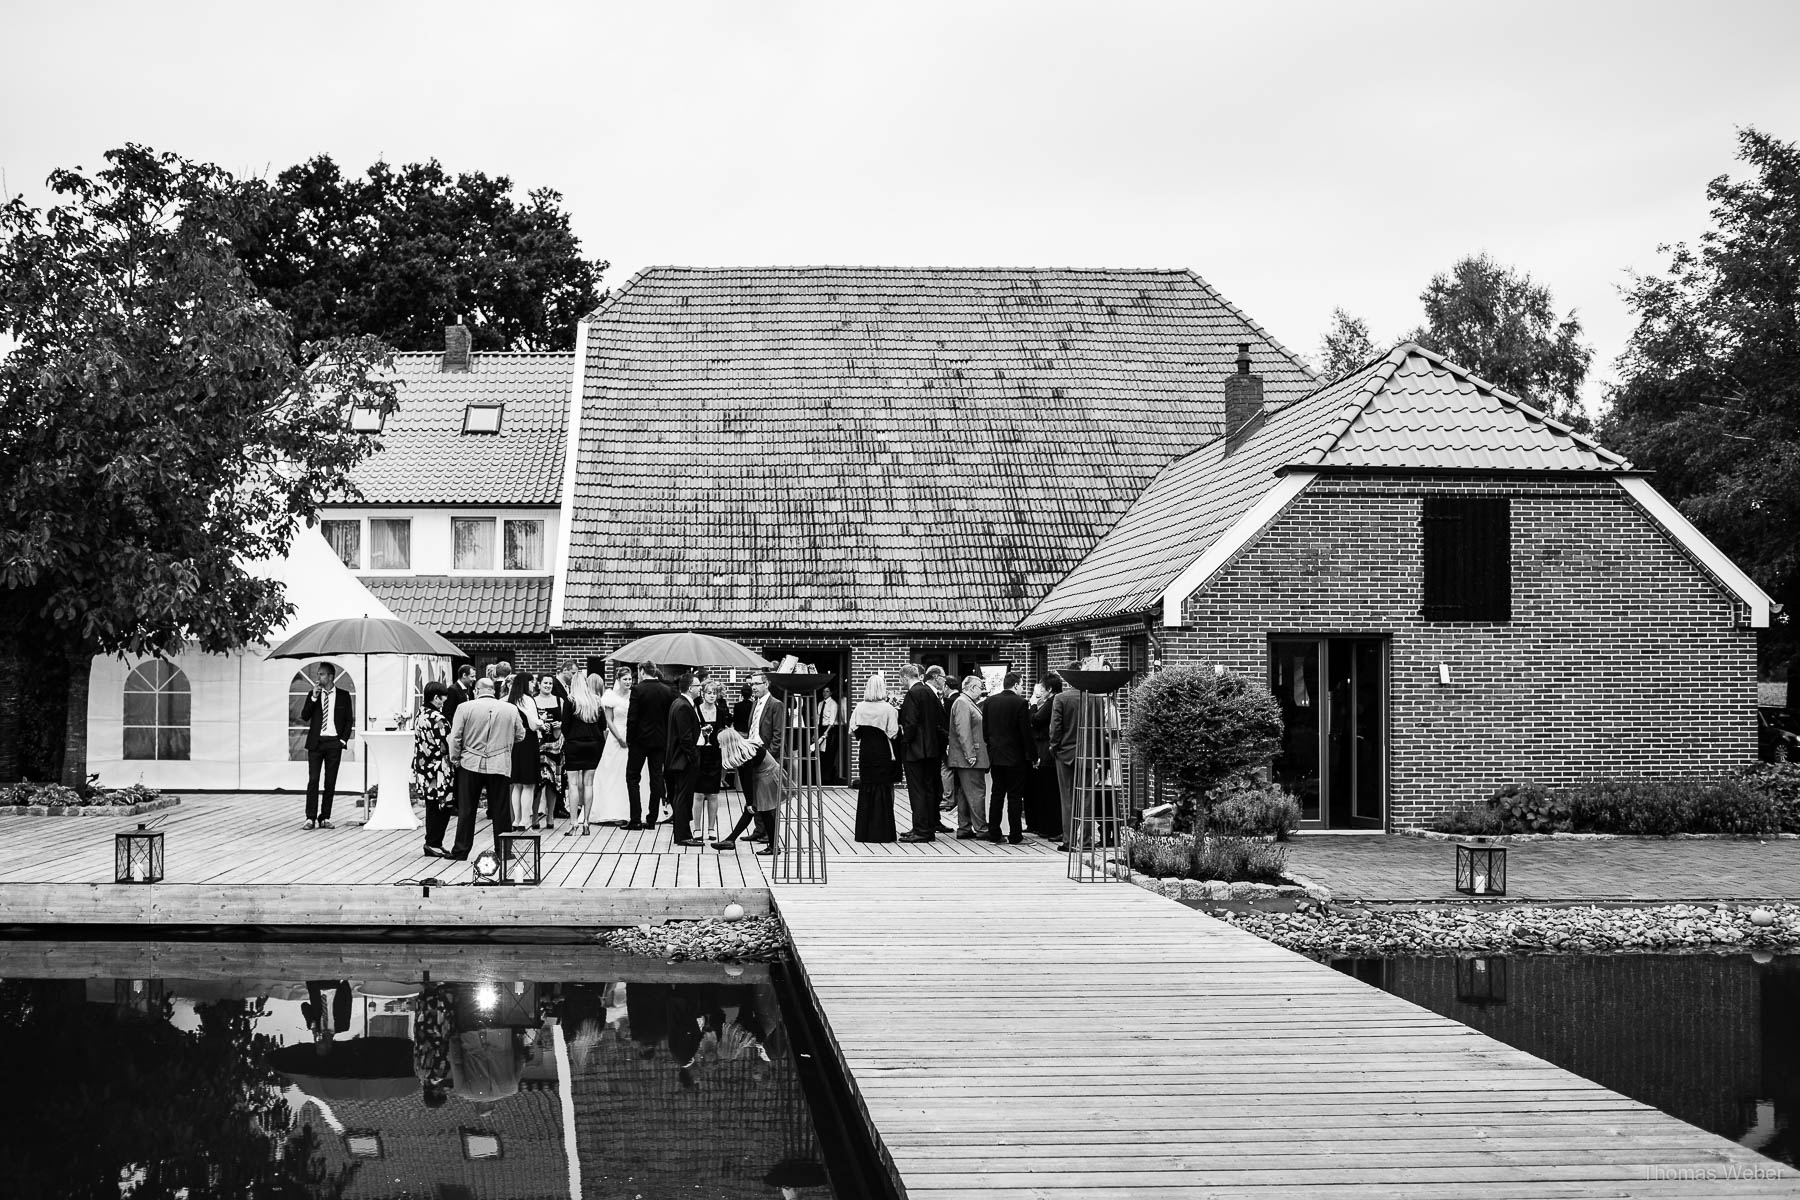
{"type": "Point", "coordinates": [1445, 591]}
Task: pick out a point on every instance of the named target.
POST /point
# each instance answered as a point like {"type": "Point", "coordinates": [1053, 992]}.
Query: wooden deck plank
{"type": "Point", "coordinates": [1011, 1033]}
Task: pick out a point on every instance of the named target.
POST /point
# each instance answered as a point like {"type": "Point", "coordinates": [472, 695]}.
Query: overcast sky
{"type": "Point", "coordinates": [1299, 156]}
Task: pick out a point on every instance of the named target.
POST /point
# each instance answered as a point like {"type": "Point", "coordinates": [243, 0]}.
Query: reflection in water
{"type": "Point", "coordinates": [1711, 1039]}
{"type": "Point", "coordinates": [199, 1087]}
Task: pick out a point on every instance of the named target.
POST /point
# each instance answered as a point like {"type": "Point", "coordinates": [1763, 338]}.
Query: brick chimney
{"type": "Point", "coordinates": [456, 347]}
{"type": "Point", "coordinates": [1243, 397]}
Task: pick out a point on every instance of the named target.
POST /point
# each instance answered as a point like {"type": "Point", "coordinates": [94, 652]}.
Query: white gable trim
{"type": "Point", "coordinates": [1245, 528]}
{"type": "Point", "coordinates": [1698, 545]}
{"type": "Point", "coordinates": [559, 584]}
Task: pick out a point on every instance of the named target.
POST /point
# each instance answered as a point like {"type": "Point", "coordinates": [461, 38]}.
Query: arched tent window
{"type": "Point", "coordinates": [302, 684]}
{"type": "Point", "coordinates": [159, 708]}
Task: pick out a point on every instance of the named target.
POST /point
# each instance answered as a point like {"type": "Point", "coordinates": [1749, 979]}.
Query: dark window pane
{"type": "Point", "coordinates": [1466, 567]}
{"type": "Point", "coordinates": [174, 708]}
{"type": "Point", "coordinates": [140, 708]}
{"type": "Point", "coordinates": [140, 743]}
{"type": "Point", "coordinates": [172, 743]}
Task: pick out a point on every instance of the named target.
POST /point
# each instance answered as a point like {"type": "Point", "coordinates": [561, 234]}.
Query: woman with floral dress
{"type": "Point", "coordinates": [431, 775]}
{"type": "Point", "coordinates": [550, 752]}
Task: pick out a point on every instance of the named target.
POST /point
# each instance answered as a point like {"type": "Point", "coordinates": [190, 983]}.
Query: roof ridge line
{"type": "Point", "coordinates": [611, 299]}
{"type": "Point", "coordinates": [1339, 425]}
{"type": "Point", "coordinates": [1532, 412]}
{"type": "Point", "coordinates": [1216, 294]}
{"type": "Point", "coordinates": [873, 267]}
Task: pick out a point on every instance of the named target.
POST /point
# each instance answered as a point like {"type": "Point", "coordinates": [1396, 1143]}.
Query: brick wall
{"type": "Point", "coordinates": [1622, 655]}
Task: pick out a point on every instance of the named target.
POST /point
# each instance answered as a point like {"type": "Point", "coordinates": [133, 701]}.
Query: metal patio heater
{"type": "Point", "coordinates": [800, 824]}
{"type": "Point", "coordinates": [1097, 809]}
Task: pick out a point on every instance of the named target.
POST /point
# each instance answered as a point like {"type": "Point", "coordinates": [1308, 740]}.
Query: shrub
{"type": "Point", "coordinates": [1238, 859]}
{"type": "Point", "coordinates": [1664, 806]}
{"type": "Point", "coordinates": [1780, 784]}
{"type": "Point", "coordinates": [1530, 808]}
{"type": "Point", "coordinates": [1197, 728]}
{"type": "Point", "coordinates": [1159, 857]}
{"type": "Point", "coordinates": [1245, 806]}
{"type": "Point", "coordinates": [1476, 819]}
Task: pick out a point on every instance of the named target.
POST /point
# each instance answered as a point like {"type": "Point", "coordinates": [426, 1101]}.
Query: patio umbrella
{"type": "Point", "coordinates": [689, 649]}
{"type": "Point", "coordinates": [365, 636]}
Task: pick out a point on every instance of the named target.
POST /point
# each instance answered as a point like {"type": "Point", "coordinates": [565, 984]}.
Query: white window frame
{"type": "Point", "coordinates": [543, 548]}
{"type": "Point", "coordinates": [494, 543]}
{"type": "Point", "coordinates": [369, 544]}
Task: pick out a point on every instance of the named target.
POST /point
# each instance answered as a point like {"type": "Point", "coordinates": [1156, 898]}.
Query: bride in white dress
{"type": "Point", "coordinates": [612, 802]}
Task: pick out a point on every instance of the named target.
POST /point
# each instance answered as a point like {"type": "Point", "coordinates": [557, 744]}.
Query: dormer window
{"type": "Point", "coordinates": [364, 419]}
{"type": "Point", "coordinates": [482, 418]}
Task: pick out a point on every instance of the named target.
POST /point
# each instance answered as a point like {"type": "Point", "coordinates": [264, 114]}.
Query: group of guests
{"type": "Point", "coordinates": [950, 743]}
{"type": "Point", "coordinates": [564, 746]}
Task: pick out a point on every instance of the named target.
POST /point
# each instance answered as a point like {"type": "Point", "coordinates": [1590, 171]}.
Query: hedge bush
{"type": "Point", "coordinates": [1197, 728]}
{"type": "Point", "coordinates": [1759, 800]}
{"type": "Point", "coordinates": [55, 795]}
{"type": "Point", "coordinates": [1224, 857]}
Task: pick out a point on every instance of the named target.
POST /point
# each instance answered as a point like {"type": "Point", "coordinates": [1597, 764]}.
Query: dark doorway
{"type": "Point", "coordinates": [1333, 697]}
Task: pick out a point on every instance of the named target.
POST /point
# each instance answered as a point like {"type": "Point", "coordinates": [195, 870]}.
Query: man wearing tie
{"type": "Point", "coordinates": [330, 716]}
{"type": "Point", "coordinates": [683, 757]}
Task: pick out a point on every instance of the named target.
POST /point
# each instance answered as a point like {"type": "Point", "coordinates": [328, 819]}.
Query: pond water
{"type": "Point", "coordinates": [1711, 1039]}
{"type": "Point", "coordinates": [145, 1071]}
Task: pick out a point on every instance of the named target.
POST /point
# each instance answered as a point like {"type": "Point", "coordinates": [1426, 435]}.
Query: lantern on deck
{"type": "Point", "coordinates": [138, 856]}
{"type": "Point", "coordinates": [520, 858]}
{"type": "Point", "coordinates": [1480, 869]}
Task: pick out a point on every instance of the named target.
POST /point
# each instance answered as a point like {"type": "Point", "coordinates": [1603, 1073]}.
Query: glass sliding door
{"type": "Point", "coordinates": [1332, 692]}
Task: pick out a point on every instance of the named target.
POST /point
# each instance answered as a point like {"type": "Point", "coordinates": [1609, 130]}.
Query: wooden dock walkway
{"type": "Point", "coordinates": [244, 859]}
{"type": "Point", "coordinates": [1013, 1035]}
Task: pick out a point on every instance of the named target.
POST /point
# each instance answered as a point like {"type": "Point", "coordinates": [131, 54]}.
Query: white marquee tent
{"type": "Point", "coordinates": [227, 722]}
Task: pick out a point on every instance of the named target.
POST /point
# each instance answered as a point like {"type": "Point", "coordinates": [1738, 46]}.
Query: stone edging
{"type": "Point", "coordinates": [91, 810]}
{"type": "Point", "coordinates": [1434, 836]}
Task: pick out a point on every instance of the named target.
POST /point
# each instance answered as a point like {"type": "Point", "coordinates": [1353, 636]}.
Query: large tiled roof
{"type": "Point", "coordinates": [863, 448]}
{"type": "Point", "coordinates": [426, 458]}
{"type": "Point", "coordinates": [467, 604]}
{"type": "Point", "coordinates": [1409, 410]}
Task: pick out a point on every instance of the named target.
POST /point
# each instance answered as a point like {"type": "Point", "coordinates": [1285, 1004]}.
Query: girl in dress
{"type": "Point", "coordinates": [548, 797]}
{"type": "Point", "coordinates": [612, 802]}
{"type": "Point", "coordinates": [584, 738]}
{"type": "Point", "coordinates": [524, 756]}
{"type": "Point", "coordinates": [715, 715]}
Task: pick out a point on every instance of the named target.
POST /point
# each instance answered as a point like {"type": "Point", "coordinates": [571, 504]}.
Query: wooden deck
{"type": "Point", "coordinates": [244, 859]}
{"type": "Point", "coordinates": [1012, 1034]}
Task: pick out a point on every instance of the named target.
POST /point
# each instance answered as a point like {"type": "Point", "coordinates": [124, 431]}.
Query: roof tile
{"type": "Point", "coordinates": [467, 604]}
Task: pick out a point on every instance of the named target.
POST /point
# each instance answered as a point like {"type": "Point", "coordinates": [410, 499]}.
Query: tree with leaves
{"type": "Point", "coordinates": [1346, 345]}
{"type": "Point", "coordinates": [1502, 325]}
{"type": "Point", "coordinates": [1709, 390]}
{"type": "Point", "coordinates": [400, 254]}
{"type": "Point", "coordinates": [158, 431]}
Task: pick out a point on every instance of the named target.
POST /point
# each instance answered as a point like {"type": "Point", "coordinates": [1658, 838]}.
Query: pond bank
{"type": "Point", "coordinates": [1356, 931]}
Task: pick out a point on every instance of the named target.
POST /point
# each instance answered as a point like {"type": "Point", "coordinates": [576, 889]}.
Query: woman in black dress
{"type": "Point", "coordinates": [874, 724]}
{"type": "Point", "coordinates": [525, 768]}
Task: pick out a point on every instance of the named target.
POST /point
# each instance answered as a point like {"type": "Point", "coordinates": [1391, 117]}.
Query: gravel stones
{"type": "Point", "coordinates": [1344, 931]}
{"type": "Point", "coordinates": [752, 939]}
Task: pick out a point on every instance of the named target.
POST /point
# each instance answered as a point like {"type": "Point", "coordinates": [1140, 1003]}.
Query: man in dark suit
{"type": "Point", "coordinates": [460, 691]}
{"type": "Point", "coordinates": [330, 716]}
{"type": "Point", "coordinates": [921, 754]}
{"type": "Point", "coordinates": [646, 741]}
{"type": "Point", "coordinates": [767, 723]}
{"type": "Point", "coordinates": [1065, 734]}
{"type": "Point", "coordinates": [1011, 751]}
{"type": "Point", "coordinates": [683, 757]}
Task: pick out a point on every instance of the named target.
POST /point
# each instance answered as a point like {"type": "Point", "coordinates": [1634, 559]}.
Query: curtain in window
{"type": "Point", "coordinates": [390, 545]}
{"type": "Point", "coordinates": [474, 543]}
{"type": "Point", "coordinates": [524, 545]}
{"type": "Point", "coordinates": [345, 540]}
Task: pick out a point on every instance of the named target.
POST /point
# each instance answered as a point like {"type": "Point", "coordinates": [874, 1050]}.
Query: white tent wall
{"type": "Point", "coordinates": [239, 701]}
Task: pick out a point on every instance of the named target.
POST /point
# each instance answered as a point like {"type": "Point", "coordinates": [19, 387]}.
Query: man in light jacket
{"type": "Point", "coordinates": [967, 756]}
{"type": "Point", "coordinates": [481, 745]}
